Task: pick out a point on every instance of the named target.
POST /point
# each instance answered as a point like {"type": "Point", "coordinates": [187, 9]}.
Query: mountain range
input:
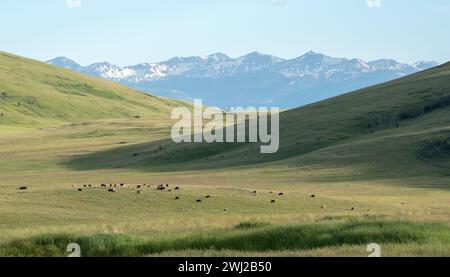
{"type": "Point", "coordinates": [254, 79]}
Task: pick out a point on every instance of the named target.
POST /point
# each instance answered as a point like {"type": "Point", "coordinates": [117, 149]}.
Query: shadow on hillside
{"type": "Point", "coordinates": [166, 155]}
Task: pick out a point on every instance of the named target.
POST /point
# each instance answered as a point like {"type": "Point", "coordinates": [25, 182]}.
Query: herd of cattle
{"type": "Point", "coordinates": [162, 187]}
{"type": "Point", "coordinates": [113, 188]}
{"type": "Point", "coordinates": [139, 189]}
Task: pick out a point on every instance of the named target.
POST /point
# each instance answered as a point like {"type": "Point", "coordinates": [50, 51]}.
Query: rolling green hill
{"type": "Point", "coordinates": [389, 122]}
{"type": "Point", "coordinates": [376, 161]}
{"type": "Point", "coordinates": [36, 94]}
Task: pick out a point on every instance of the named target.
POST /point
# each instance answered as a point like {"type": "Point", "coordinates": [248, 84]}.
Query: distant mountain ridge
{"type": "Point", "coordinates": [253, 79]}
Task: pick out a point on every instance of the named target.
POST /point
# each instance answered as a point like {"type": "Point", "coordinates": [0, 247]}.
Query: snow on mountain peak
{"type": "Point", "coordinates": [249, 79]}
{"type": "Point", "coordinates": [420, 65]}
{"type": "Point", "coordinates": [218, 65]}
{"type": "Point", "coordinates": [218, 57]}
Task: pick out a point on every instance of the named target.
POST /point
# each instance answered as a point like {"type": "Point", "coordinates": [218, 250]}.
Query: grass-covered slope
{"type": "Point", "coordinates": [376, 161]}
{"type": "Point", "coordinates": [34, 94]}
{"type": "Point", "coordinates": [400, 115]}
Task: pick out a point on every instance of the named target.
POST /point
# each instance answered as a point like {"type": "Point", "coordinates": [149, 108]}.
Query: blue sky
{"type": "Point", "coordinates": [134, 31]}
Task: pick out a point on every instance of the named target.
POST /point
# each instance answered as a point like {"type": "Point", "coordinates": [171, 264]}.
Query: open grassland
{"type": "Point", "coordinates": [51, 211]}
{"type": "Point", "coordinates": [369, 166]}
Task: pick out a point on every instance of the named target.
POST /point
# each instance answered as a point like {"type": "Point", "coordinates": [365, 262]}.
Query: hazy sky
{"type": "Point", "coordinates": [134, 31]}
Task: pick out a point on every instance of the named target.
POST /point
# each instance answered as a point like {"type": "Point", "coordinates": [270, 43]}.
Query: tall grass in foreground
{"type": "Point", "coordinates": [253, 237]}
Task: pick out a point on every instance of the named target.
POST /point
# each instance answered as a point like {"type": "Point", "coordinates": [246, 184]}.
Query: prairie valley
{"type": "Point", "coordinates": [367, 166]}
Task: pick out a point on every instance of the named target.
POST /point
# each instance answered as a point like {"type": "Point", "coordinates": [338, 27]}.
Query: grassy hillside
{"type": "Point", "coordinates": [376, 161]}
{"type": "Point", "coordinates": [36, 94]}
{"type": "Point", "coordinates": [362, 121]}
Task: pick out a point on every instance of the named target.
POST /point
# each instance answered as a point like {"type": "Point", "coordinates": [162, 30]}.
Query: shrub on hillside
{"type": "Point", "coordinates": [437, 148]}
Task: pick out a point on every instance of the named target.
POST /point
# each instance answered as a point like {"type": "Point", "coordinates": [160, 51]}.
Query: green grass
{"type": "Point", "coordinates": [380, 151]}
{"type": "Point", "coordinates": [437, 151]}
{"type": "Point", "coordinates": [33, 94]}
{"type": "Point", "coordinates": [251, 225]}
{"type": "Point", "coordinates": [397, 108]}
{"type": "Point", "coordinates": [258, 239]}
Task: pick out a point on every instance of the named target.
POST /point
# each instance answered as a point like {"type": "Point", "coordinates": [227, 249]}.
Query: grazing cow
{"type": "Point", "coordinates": [85, 185]}
{"type": "Point", "coordinates": [80, 189]}
{"type": "Point", "coordinates": [313, 196]}
{"type": "Point", "coordinates": [280, 194]}
{"type": "Point", "coordinates": [90, 185]}
{"type": "Point", "coordinates": [122, 185]}
{"type": "Point", "coordinates": [169, 190]}
{"type": "Point", "coordinates": [225, 210]}
{"type": "Point", "coordinates": [23, 188]}
{"type": "Point", "coordinates": [161, 187]}
{"type": "Point", "coordinates": [177, 188]}
{"type": "Point", "coordinates": [177, 198]}
{"type": "Point", "coordinates": [167, 185]}
{"type": "Point", "coordinates": [352, 209]}
{"type": "Point", "coordinates": [208, 196]}
{"type": "Point", "coordinates": [112, 190]}
{"type": "Point", "coordinates": [103, 185]}
{"type": "Point", "coordinates": [198, 200]}
{"type": "Point", "coordinates": [139, 186]}
{"type": "Point", "coordinates": [273, 201]}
